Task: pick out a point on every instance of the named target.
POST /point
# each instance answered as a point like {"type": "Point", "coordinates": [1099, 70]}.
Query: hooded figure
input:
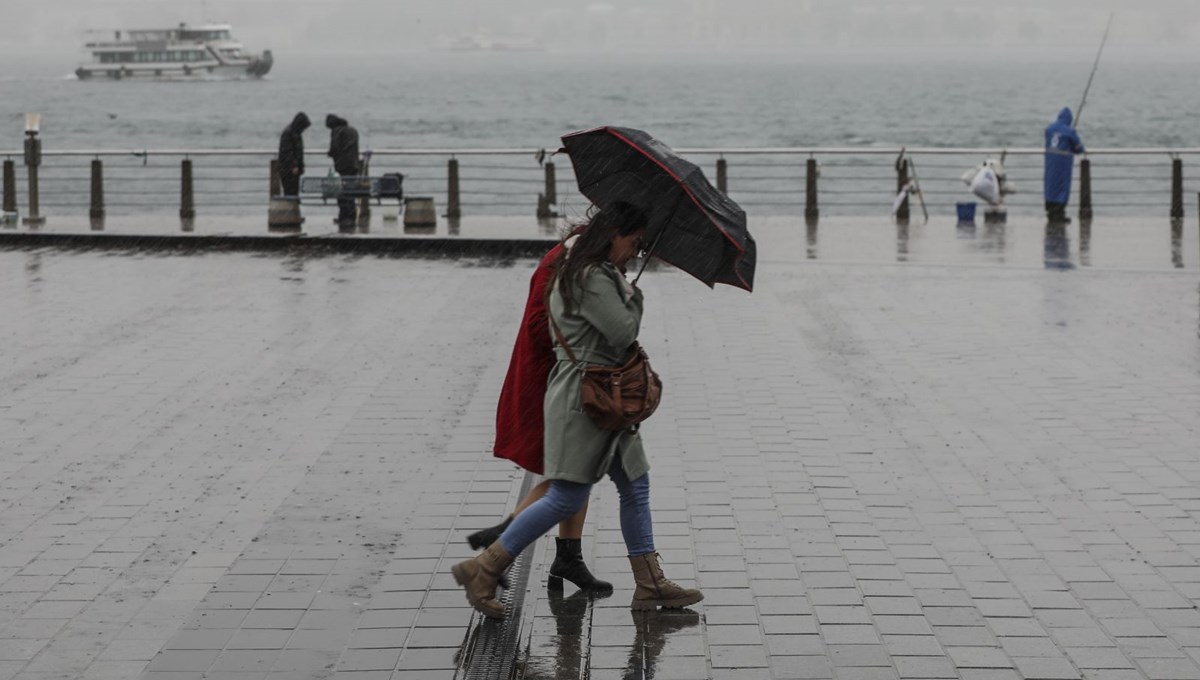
{"type": "Point", "coordinates": [343, 145]}
{"type": "Point", "coordinates": [291, 154]}
{"type": "Point", "coordinates": [1062, 143]}
{"type": "Point", "coordinates": [343, 149]}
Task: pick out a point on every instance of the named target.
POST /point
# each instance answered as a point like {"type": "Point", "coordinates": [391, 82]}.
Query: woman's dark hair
{"type": "Point", "coordinates": [595, 239]}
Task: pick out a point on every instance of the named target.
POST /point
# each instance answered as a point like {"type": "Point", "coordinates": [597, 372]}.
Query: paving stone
{"type": "Point", "coordinates": [801, 667]}
{"type": "Point", "coordinates": [925, 667]}
{"type": "Point", "coordinates": [1045, 668]}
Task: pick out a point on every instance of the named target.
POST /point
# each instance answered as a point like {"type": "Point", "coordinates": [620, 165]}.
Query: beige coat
{"type": "Point", "coordinates": [600, 331]}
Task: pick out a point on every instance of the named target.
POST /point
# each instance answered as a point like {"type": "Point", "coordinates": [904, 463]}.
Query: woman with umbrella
{"type": "Point", "coordinates": [520, 428]}
{"type": "Point", "coordinates": [598, 313]}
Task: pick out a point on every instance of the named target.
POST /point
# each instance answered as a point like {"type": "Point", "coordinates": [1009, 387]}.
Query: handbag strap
{"type": "Point", "coordinates": [559, 336]}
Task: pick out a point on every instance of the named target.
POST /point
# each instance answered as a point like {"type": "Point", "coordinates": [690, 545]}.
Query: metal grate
{"type": "Point", "coordinates": [495, 644]}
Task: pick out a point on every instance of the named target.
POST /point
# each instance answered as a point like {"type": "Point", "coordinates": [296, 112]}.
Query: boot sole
{"type": "Point", "coordinates": [461, 580]}
{"type": "Point", "coordinates": [678, 603]}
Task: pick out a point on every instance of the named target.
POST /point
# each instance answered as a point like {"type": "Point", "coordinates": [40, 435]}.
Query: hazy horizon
{"type": "Point", "coordinates": [623, 26]}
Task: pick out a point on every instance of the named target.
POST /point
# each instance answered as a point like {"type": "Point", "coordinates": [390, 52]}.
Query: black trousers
{"type": "Point", "coordinates": [290, 184]}
{"type": "Point", "coordinates": [1057, 212]}
{"type": "Point", "coordinates": [346, 211]}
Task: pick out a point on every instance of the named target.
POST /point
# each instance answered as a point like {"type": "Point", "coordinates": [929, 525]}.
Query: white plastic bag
{"type": "Point", "coordinates": [986, 185]}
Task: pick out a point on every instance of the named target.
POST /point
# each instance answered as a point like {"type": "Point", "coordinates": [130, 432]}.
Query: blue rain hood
{"type": "Point", "coordinates": [1062, 143]}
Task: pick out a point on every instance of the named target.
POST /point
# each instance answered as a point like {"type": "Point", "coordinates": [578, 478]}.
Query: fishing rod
{"type": "Point", "coordinates": [1095, 66]}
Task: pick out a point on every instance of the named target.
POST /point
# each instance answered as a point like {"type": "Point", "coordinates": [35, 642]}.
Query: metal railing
{"type": "Point", "coordinates": [810, 181]}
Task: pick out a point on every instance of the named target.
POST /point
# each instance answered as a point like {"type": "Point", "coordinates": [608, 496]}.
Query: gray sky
{"type": "Point", "coordinates": [378, 26]}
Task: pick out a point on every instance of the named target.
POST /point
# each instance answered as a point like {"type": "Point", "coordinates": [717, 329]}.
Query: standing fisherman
{"type": "Point", "coordinates": [1062, 144]}
{"type": "Point", "coordinates": [343, 149]}
{"type": "Point", "coordinates": [291, 154]}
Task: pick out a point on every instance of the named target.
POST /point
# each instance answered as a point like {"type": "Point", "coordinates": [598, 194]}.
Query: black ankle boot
{"type": "Point", "coordinates": [485, 537]}
{"type": "Point", "coordinates": [568, 564]}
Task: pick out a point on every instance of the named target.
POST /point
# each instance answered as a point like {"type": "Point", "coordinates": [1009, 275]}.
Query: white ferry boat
{"type": "Point", "coordinates": [186, 52]}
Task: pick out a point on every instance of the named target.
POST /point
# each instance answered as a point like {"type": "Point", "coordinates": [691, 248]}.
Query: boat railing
{"type": "Point", "coordinates": [809, 181]}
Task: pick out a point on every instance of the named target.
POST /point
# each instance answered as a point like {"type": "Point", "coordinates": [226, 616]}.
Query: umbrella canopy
{"type": "Point", "coordinates": [692, 225]}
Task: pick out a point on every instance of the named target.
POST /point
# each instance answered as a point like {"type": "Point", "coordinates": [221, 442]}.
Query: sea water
{"type": "Point", "coordinates": [528, 100]}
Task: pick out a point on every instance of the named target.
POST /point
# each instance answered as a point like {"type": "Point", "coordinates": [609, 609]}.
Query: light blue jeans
{"type": "Point", "coordinates": [564, 499]}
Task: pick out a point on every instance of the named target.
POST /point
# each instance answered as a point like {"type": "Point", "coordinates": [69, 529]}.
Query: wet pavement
{"type": "Point", "coordinates": [971, 462]}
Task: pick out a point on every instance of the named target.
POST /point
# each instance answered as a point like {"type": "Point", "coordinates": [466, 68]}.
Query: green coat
{"type": "Point", "coordinates": [600, 331]}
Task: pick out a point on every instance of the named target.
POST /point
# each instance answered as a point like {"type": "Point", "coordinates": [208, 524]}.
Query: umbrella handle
{"type": "Point", "coordinates": [646, 261]}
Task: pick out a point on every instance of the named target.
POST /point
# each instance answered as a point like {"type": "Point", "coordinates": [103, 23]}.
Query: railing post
{"type": "Point", "coordinates": [811, 212]}
{"type": "Point", "coordinates": [547, 199]}
{"type": "Point", "coordinates": [722, 176]}
{"type": "Point", "coordinates": [276, 182]}
{"type": "Point", "coordinates": [33, 159]}
{"type": "Point", "coordinates": [902, 182]}
{"type": "Point", "coordinates": [1177, 242]}
{"type": "Point", "coordinates": [1085, 190]}
{"type": "Point", "coordinates": [96, 211]}
{"type": "Point", "coordinates": [364, 202]}
{"type": "Point", "coordinates": [10, 187]}
{"type": "Point", "coordinates": [453, 205]}
{"type": "Point", "coordinates": [187, 199]}
{"type": "Point", "coordinates": [1177, 189]}
{"type": "Point", "coordinates": [551, 184]}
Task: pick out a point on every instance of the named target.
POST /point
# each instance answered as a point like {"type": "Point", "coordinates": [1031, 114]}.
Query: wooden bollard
{"type": "Point", "coordinates": [722, 176]}
{"type": "Point", "coordinates": [901, 183]}
{"type": "Point", "coordinates": [187, 198]}
{"type": "Point", "coordinates": [547, 199]}
{"type": "Point", "coordinates": [1085, 189]}
{"type": "Point", "coordinates": [1177, 189]}
{"type": "Point", "coordinates": [551, 184]}
{"type": "Point", "coordinates": [10, 186]}
{"type": "Point", "coordinates": [453, 205]}
{"type": "Point", "coordinates": [811, 211]}
{"type": "Point", "coordinates": [276, 183]}
{"type": "Point", "coordinates": [96, 210]}
{"type": "Point", "coordinates": [33, 159]}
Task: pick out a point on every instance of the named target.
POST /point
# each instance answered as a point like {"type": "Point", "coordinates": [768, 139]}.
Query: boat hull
{"type": "Point", "coordinates": [175, 71]}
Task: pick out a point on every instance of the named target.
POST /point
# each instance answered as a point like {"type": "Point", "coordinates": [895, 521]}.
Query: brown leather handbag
{"type": "Point", "coordinates": [617, 397]}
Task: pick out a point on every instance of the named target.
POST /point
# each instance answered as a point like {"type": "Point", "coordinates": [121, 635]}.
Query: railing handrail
{"type": "Point", "coordinates": [713, 151]}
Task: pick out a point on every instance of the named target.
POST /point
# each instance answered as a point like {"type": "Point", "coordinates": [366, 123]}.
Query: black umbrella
{"type": "Point", "coordinates": [692, 225]}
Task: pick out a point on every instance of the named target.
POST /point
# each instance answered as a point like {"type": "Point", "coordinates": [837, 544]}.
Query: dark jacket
{"type": "Point", "coordinates": [291, 145]}
{"type": "Point", "coordinates": [1062, 143]}
{"type": "Point", "coordinates": [343, 145]}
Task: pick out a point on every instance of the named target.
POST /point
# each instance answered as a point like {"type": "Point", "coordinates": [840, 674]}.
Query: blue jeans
{"type": "Point", "coordinates": [564, 499]}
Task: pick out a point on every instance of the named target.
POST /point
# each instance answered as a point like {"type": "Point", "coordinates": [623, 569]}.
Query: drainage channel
{"type": "Point", "coordinates": [494, 645]}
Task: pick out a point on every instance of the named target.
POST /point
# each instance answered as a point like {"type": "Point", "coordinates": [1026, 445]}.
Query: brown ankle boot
{"type": "Point", "coordinates": [478, 576]}
{"type": "Point", "coordinates": [654, 590]}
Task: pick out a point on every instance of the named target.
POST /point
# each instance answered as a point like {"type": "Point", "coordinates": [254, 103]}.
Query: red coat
{"type": "Point", "coordinates": [520, 420]}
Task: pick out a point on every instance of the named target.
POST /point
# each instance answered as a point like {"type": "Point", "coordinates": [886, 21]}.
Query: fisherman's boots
{"type": "Point", "coordinates": [654, 589]}
{"type": "Point", "coordinates": [486, 537]}
{"type": "Point", "coordinates": [568, 564]}
{"type": "Point", "coordinates": [479, 576]}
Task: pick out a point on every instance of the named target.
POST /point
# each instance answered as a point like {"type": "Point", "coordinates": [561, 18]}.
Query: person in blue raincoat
{"type": "Point", "coordinates": [1062, 143]}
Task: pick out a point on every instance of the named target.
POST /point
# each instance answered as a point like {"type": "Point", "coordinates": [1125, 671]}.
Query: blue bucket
{"type": "Point", "coordinates": [966, 211]}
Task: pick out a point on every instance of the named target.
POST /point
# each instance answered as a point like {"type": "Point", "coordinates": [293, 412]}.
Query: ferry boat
{"type": "Point", "coordinates": [187, 52]}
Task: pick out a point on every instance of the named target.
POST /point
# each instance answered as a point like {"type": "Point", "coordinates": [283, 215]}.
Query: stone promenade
{"type": "Point", "coordinates": [245, 467]}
